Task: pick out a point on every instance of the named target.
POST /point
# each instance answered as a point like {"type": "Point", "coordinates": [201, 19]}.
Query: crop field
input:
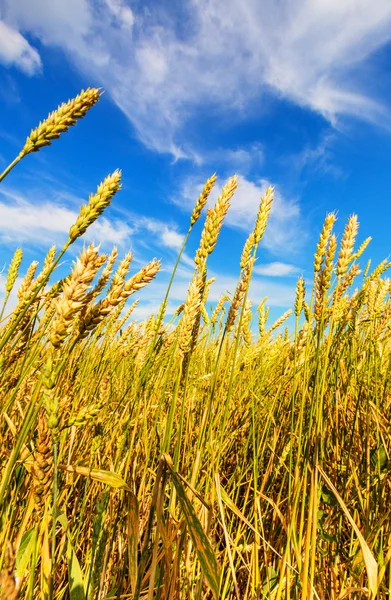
{"type": "Point", "coordinates": [209, 454]}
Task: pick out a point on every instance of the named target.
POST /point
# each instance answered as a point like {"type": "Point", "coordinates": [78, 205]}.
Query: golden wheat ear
{"type": "Point", "coordinates": [60, 120]}
{"type": "Point", "coordinates": [12, 276]}
{"type": "Point", "coordinates": [57, 122]}
{"type": "Point", "coordinates": [202, 199]}
{"type": "Point", "coordinates": [97, 203]}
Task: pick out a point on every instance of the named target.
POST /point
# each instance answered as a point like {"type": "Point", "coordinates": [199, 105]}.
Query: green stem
{"type": "Point", "coordinates": [4, 305]}
{"type": "Point", "coordinates": [29, 418]}
{"type": "Point", "coordinates": [11, 166]}
{"type": "Point", "coordinates": [54, 518]}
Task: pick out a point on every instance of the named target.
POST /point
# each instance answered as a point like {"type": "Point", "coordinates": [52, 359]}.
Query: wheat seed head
{"type": "Point", "coordinates": [262, 317]}
{"type": "Point", "coordinates": [214, 222]}
{"type": "Point", "coordinates": [97, 203]}
{"type": "Point", "coordinates": [347, 244]}
{"type": "Point", "coordinates": [263, 214]}
{"type": "Point", "coordinates": [328, 263]}
{"type": "Point", "coordinates": [239, 295]}
{"type": "Point", "coordinates": [202, 199]}
{"type": "Point", "coordinates": [118, 293]}
{"type": "Point", "coordinates": [126, 316]}
{"type": "Point", "coordinates": [13, 270]}
{"type": "Point", "coordinates": [72, 298]}
{"type": "Point", "coordinates": [223, 299]}
{"type": "Point", "coordinates": [94, 314]}
{"type": "Point", "coordinates": [247, 249]}
{"type": "Point", "coordinates": [346, 282]}
{"type": "Point", "coordinates": [362, 248]}
{"type": "Point", "coordinates": [142, 278]}
{"type": "Point", "coordinates": [280, 321]}
{"type": "Point", "coordinates": [118, 279]}
{"type": "Point", "coordinates": [104, 277]}
{"type": "Point", "coordinates": [245, 325]}
{"type": "Point", "coordinates": [23, 291]}
{"type": "Point", "coordinates": [47, 266]}
{"type": "Point", "coordinates": [60, 120]}
{"type": "Point", "coordinates": [323, 241]}
{"type": "Point", "coordinates": [300, 295]}
{"type": "Point", "coordinates": [190, 314]}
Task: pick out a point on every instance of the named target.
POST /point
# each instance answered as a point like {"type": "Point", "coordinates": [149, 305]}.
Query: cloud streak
{"type": "Point", "coordinates": [16, 51]}
{"type": "Point", "coordinates": [46, 222]}
{"type": "Point", "coordinates": [276, 269]}
{"type": "Point", "coordinates": [159, 74]}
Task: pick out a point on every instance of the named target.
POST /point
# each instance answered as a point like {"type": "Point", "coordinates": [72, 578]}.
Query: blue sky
{"type": "Point", "coordinates": [294, 94]}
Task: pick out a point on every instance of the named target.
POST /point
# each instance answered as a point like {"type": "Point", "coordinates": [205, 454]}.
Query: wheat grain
{"type": "Point", "coordinates": [72, 298]}
{"type": "Point", "coordinates": [247, 249]}
{"type": "Point", "coordinates": [214, 222]}
{"type": "Point", "coordinates": [97, 203]}
{"type": "Point", "coordinates": [347, 243]}
{"type": "Point", "coordinates": [263, 214]}
{"type": "Point", "coordinates": [323, 241]}
{"type": "Point", "coordinates": [190, 313]}
{"type": "Point", "coordinates": [60, 120]}
{"type": "Point", "coordinates": [202, 199]}
{"type": "Point", "coordinates": [280, 321]}
{"type": "Point", "coordinates": [219, 306]}
{"type": "Point", "coordinates": [240, 292]}
{"type": "Point", "coordinates": [13, 271]}
{"type": "Point", "coordinates": [300, 295]}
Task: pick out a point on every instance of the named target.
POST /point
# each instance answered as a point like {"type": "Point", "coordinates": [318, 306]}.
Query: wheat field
{"type": "Point", "coordinates": [185, 456]}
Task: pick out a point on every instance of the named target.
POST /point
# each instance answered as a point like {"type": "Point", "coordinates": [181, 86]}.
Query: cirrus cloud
{"type": "Point", "coordinates": [159, 73]}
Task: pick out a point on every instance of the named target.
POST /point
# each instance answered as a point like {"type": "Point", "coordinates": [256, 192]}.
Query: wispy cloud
{"type": "Point", "coordinates": [16, 51]}
{"type": "Point", "coordinates": [42, 222]}
{"type": "Point", "coordinates": [277, 269]}
{"type": "Point", "coordinates": [165, 234]}
{"type": "Point", "coordinates": [159, 74]}
{"type": "Point", "coordinates": [317, 157]}
{"type": "Point", "coordinates": [23, 221]}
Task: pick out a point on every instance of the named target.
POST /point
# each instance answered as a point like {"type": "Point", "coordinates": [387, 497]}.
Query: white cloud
{"type": "Point", "coordinates": [308, 51]}
{"type": "Point", "coordinates": [16, 51]}
{"type": "Point", "coordinates": [54, 22]}
{"type": "Point", "coordinates": [164, 234]}
{"type": "Point", "coordinates": [286, 230]}
{"type": "Point", "coordinates": [276, 269]}
{"type": "Point", "coordinates": [318, 158]}
{"type": "Point", "coordinates": [45, 222]}
{"type": "Point", "coordinates": [24, 221]}
{"type": "Point", "coordinates": [172, 239]}
{"type": "Point", "coordinates": [121, 13]}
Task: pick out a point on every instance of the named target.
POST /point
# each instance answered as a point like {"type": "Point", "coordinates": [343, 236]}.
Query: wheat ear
{"type": "Point", "coordinates": [60, 120]}
{"type": "Point", "coordinates": [214, 222]}
{"type": "Point", "coordinates": [263, 214]}
{"type": "Point", "coordinates": [202, 199]}
{"type": "Point", "coordinates": [190, 314]}
{"type": "Point", "coordinates": [56, 123]}
{"type": "Point", "coordinates": [72, 298]}
{"type": "Point", "coordinates": [12, 276]}
{"type": "Point", "coordinates": [97, 203]}
{"type": "Point", "coordinates": [300, 295]}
